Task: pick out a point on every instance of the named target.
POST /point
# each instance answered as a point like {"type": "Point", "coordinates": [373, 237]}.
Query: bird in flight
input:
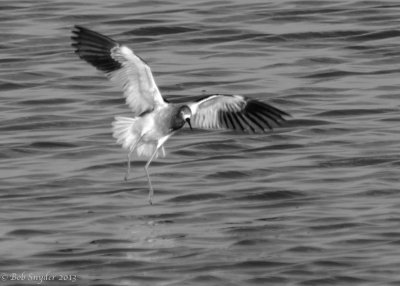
{"type": "Point", "coordinates": [155, 119]}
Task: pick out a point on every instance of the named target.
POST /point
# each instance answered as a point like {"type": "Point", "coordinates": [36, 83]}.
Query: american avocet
{"type": "Point", "coordinates": [155, 119]}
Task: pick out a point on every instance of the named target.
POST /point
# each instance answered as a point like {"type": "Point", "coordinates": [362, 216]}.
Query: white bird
{"type": "Point", "coordinates": [156, 119]}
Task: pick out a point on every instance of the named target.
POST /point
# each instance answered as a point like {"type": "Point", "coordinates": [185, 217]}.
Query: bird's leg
{"type": "Point", "coordinates": [151, 191]}
{"type": "Point", "coordinates": [160, 144]}
{"type": "Point", "coordinates": [128, 169]}
{"type": "Point", "coordinates": [163, 151]}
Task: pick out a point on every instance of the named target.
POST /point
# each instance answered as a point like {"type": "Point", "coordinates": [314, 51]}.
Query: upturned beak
{"type": "Point", "coordinates": [188, 121]}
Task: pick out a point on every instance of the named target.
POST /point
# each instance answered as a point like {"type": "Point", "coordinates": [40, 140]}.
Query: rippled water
{"type": "Point", "coordinates": [314, 203]}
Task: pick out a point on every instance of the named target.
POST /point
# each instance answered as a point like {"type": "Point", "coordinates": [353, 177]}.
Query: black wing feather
{"type": "Point", "coordinates": [235, 112]}
{"type": "Point", "coordinates": [246, 121]}
{"type": "Point", "coordinates": [95, 48]}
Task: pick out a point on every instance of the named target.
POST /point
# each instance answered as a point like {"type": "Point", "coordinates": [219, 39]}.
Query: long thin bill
{"type": "Point", "coordinates": [188, 121]}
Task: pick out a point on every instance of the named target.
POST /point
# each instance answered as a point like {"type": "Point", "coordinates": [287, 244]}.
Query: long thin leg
{"type": "Point", "coordinates": [146, 167]}
{"type": "Point", "coordinates": [163, 151]}
{"type": "Point", "coordinates": [128, 169]}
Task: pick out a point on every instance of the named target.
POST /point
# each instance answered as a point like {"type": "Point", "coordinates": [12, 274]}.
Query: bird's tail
{"type": "Point", "coordinates": [123, 131]}
{"type": "Point", "coordinates": [127, 131]}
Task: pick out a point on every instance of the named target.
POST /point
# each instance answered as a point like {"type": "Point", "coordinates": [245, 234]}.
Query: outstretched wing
{"type": "Point", "coordinates": [235, 112]}
{"type": "Point", "coordinates": [121, 66]}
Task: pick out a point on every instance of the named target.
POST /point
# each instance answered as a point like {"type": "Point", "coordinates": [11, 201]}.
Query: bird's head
{"type": "Point", "coordinates": [184, 114]}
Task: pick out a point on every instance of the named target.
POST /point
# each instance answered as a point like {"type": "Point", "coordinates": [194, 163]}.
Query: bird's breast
{"type": "Point", "coordinates": [155, 125]}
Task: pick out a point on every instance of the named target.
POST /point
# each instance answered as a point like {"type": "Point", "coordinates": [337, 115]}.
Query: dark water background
{"type": "Point", "coordinates": [315, 203]}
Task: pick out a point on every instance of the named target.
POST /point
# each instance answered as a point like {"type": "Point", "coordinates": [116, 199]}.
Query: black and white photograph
{"type": "Point", "coordinates": [199, 142]}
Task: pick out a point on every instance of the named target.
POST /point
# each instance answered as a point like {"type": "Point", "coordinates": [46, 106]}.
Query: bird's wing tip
{"type": "Point", "coordinates": [78, 27]}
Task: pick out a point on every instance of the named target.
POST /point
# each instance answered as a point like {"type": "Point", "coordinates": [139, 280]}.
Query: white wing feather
{"type": "Point", "coordinates": [136, 80]}
{"type": "Point", "coordinates": [205, 113]}
{"type": "Point", "coordinates": [234, 112]}
{"type": "Point", "coordinates": [134, 77]}
{"type": "Point", "coordinates": [122, 66]}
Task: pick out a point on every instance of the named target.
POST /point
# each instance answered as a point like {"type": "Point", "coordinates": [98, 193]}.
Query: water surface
{"type": "Point", "coordinates": [316, 202]}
